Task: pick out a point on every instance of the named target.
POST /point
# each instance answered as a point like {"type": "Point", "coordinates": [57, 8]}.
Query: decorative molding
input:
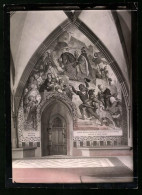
{"type": "Point", "coordinates": [49, 97]}
{"type": "Point", "coordinates": [88, 142]}
{"type": "Point", "coordinates": [73, 16]}
{"type": "Point", "coordinates": [94, 138]}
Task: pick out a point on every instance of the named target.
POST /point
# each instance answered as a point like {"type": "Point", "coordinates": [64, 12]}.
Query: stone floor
{"type": "Point", "coordinates": [63, 163]}
{"type": "Point", "coordinates": [73, 170]}
{"type": "Point", "coordinates": [57, 161]}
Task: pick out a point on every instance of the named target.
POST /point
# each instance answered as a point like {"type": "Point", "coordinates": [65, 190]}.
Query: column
{"type": "Point", "coordinates": [130, 132]}
{"type": "Point", "coordinates": [13, 131]}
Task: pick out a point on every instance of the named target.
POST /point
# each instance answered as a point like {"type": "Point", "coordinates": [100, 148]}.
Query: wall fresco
{"type": "Point", "coordinates": [74, 68]}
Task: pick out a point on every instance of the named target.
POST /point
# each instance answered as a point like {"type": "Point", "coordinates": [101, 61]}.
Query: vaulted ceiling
{"type": "Point", "coordinates": [29, 29]}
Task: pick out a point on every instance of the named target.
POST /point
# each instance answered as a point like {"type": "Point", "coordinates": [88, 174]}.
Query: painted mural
{"type": "Point", "coordinates": [75, 68]}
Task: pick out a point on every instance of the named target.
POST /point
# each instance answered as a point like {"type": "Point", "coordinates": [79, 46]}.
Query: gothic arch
{"type": "Point", "coordinates": [57, 116]}
{"type": "Point", "coordinates": [57, 97]}
{"type": "Point", "coordinates": [63, 111]}
{"type": "Point", "coordinates": [45, 45]}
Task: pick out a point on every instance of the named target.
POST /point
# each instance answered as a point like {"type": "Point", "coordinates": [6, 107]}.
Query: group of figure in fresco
{"type": "Point", "coordinates": [47, 77]}
{"type": "Point", "coordinates": [78, 66]}
{"type": "Point", "coordinates": [104, 106]}
{"type": "Point", "coordinates": [44, 77]}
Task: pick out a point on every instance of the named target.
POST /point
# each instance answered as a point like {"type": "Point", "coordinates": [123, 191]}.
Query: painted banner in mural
{"type": "Point", "coordinates": [98, 133]}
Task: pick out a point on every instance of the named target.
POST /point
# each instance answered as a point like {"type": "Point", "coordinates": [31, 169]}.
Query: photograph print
{"type": "Point", "coordinates": [71, 102]}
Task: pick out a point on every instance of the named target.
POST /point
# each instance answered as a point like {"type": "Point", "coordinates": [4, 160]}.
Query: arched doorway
{"type": "Point", "coordinates": [56, 129]}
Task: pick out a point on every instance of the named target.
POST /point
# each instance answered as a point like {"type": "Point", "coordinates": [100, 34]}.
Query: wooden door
{"type": "Point", "coordinates": [58, 138]}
